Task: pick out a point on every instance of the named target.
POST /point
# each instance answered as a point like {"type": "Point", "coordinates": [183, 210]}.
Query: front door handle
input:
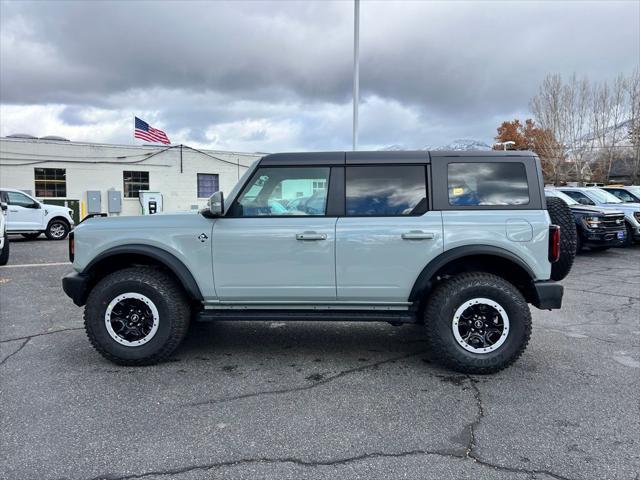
{"type": "Point", "coordinates": [311, 236]}
{"type": "Point", "coordinates": [417, 235]}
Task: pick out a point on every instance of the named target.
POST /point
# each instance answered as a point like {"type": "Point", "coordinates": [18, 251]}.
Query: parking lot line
{"type": "Point", "coordinates": [25, 265]}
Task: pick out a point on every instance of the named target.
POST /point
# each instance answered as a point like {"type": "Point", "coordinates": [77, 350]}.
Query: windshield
{"type": "Point", "coordinates": [634, 190]}
{"type": "Point", "coordinates": [557, 193]}
{"type": "Point", "coordinates": [602, 196]}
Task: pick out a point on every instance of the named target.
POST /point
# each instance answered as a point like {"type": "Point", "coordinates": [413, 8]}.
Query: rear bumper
{"type": "Point", "coordinates": [75, 285]}
{"type": "Point", "coordinates": [548, 295]}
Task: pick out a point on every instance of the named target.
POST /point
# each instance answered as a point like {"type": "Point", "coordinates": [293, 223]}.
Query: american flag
{"type": "Point", "coordinates": [146, 132]}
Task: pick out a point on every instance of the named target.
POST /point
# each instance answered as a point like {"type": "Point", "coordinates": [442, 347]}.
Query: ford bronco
{"type": "Point", "coordinates": [460, 243]}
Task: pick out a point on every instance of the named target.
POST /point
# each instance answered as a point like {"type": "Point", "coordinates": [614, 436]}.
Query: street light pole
{"type": "Point", "coordinates": [356, 69]}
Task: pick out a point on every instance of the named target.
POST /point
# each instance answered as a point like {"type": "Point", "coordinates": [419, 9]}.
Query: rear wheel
{"type": "Point", "coordinates": [477, 323]}
{"type": "Point", "coordinates": [4, 253]}
{"type": "Point", "coordinates": [57, 230]}
{"type": "Point", "coordinates": [561, 215]}
{"type": "Point", "coordinates": [31, 236]}
{"type": "Point", "coordinates": [137, 316]}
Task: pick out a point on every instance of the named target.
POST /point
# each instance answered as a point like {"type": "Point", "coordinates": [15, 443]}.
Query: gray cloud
{"type": "Point", "coordinates": [429, 71]}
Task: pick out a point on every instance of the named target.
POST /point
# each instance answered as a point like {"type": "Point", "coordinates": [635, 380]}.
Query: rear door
{"type": "Point", "coordinates": [277, 242]}
{"type": "Point", "coordinates": [388, 234]}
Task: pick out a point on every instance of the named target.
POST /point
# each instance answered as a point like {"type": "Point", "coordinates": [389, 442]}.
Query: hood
{"type": "Point", "coordinates": [626, 207]}
{"type": "Point", "coordinates": [55, 208]}
{"type": "Point", "coordinates": [595, 210]}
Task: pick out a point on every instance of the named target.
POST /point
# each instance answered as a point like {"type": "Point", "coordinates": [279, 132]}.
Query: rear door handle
{"type": "Point", "coordinates": [311, 236]}
{"type": "Point", "coordinates": [417, 235]}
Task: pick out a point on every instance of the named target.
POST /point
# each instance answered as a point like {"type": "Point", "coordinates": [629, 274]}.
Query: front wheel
{"type": "Point", "coordinates": [477, 323]}
{"type": "Point", "coordinates": [57, 230]}
{"type": "Point", "coordinates": [137, 316]}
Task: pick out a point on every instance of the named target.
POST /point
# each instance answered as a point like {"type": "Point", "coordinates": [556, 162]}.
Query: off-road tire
{"type": "Point", "coordinates": [167, 295]}
{"type": "Point", "coordinates": [561, 215]}
{"type": "Point", "coordinates": [451, 294]}
{"type": "Point", "coordinates": [4, 254]}
{"type": "Point", "coordinates": [56, 223]}
{"type": "Point", "coordinates": [31, 236]}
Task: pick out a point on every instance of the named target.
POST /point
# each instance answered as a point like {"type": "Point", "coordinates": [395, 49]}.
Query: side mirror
{"type": "Point", "coordinates": [216, 204]}
{"type": "Point", "coordinates": [3, 206]}
{"type": "Point", "coordinates": [585, 201]}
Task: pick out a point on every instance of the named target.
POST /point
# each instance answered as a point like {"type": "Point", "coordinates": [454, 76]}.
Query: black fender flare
{"type": "Point", "coordinates": [421, 284]}
{"type": "Point", "coordinates": [166, 258]}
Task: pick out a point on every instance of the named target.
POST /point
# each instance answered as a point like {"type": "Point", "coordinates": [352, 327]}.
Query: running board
{"type": "Point", "coordinates": [393, 317]}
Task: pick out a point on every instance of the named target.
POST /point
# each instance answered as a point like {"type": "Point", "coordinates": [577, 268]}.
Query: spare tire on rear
{"type": "Point", "coordinates": [561, 215]}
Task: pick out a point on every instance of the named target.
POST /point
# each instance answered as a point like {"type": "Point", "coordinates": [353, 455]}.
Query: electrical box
{"type": "Point", "coordinates": [114, 201]}
{"type": "Point", "coordinates": [94, 201]}
{"type": "Point", "coordinates": [151, 202]}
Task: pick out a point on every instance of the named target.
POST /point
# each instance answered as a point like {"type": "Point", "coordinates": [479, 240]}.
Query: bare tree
{"type": "Point", "coordinates": [632, 94]}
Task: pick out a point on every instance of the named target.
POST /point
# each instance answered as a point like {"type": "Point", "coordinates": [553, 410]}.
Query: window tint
{"type": "Point", "coordinates": [386, 190]}
{"type": "Point", "coordinates": [492, 183]}
{"type": "Point", "coordinates": [134, 182]}
{"type": "Point", "coordinates": [50, 182]}
{"type": "Point", "coordinates": [19, 199]}
{"type": "Point", "coordinates": [207, 184]}
{"type": "Point", "coordinates": [284, 191]}
{"type": "Point", "coordinates": [577, 196]}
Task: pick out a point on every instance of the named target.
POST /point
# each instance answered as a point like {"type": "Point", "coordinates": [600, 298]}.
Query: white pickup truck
{"type": "Point", "coordinates": [29, 217]}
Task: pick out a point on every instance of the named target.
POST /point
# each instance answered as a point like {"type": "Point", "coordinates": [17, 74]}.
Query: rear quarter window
{"type": "Point", "coordinates": [487, 184]}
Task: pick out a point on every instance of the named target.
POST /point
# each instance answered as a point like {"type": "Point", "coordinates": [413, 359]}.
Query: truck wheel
{"type": "Point", "coordinates": [137, 316]}
{"type": "Point", "coordinates": [561, 215]}
{"type": "Point", "coordinates": [57, 230]}
{"type": "Point", "coordinates": [628, 241]}
{"type": "Point", "coordinates": [477, 323]}
{"type": "Point", "coordinates": [31, 236]}
{"type": "Point", "coordinates": [4, 254]}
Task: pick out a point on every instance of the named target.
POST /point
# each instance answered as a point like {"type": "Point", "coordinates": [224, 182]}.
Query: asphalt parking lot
{"type": "Point", "coordinates": [319, 400]}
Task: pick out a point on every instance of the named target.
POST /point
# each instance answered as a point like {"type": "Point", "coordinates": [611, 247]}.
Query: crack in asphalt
{"type": "Point", "coordinates": [13, 353]}
{"type": "Point", "coordinates": [29, 337]}
{"type": "Point", "coordinates": [300, 388]}
{"type": "Point", "coordinates": [600, 293]}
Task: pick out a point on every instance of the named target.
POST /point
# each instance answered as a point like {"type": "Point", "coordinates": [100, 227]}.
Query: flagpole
{"type": "Point", "coordinates": [133, 134]}
{"type": "Point", "coordinates": [356, 69]}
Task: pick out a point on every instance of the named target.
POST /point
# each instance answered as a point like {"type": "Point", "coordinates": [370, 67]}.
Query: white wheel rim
{"type": "Point", "coordinates": [461, 320]}
{"type": "Point", "coordinates": [110, 318]}
{"type": "Point", "coordinates": [57, 230]}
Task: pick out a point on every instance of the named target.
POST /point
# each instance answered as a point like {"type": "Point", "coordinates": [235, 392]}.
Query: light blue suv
{"type": "Point", "coordinates": [458, 242]}
{"type": "Point", "coordinates": [602, 198]}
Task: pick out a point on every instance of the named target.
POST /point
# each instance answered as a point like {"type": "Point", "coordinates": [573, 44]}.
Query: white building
{"type": "Point", "coordinates": [63, 172]}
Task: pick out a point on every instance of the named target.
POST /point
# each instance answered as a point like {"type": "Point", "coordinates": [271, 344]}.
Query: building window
{"type": "Point", "coordinates": [134, 182]}
{"type": "Point", "coordinates": [207, 184]}
{"type": "Point", "coordinates": [51, 182]}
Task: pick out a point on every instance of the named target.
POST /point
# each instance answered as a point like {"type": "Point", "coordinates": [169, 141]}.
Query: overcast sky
{"type": "Point", "coordinates": [276, 76]}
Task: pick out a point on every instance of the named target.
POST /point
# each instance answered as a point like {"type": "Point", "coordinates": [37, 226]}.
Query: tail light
{"type": "Point", "coordinates": [554, 243]}
{"type": "Point", "coordinates": [72, 247]}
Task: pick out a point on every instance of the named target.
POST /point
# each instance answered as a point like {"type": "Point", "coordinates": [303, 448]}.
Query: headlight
{"type": "Point", "coordinates": [592, 222]}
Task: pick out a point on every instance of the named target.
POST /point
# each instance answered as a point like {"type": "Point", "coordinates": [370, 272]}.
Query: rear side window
{"type": "Point", "coordinates": [386, 190]}
{"type": "Point", "coordinates": [494, 183]}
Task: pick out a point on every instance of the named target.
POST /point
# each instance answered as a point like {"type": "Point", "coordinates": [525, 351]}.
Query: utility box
{"type": "Point", "coordinates": [114, 201]}
{"type": "Point", "coordinates": [94, 201]}
{"type": "Point", "coordinates": [151, 202]}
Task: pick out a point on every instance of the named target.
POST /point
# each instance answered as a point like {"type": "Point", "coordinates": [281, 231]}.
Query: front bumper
{"type": "Point", "coordinates": [604, 239]}
{"type": "Point", "coordinates": [548, 295]}
{"type": "Point", "coordinates": [76, 286]}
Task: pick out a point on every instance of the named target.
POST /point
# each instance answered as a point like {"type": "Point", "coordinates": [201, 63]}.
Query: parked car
{"type": "Point", "coordinates": [602, 198]}
{"type": "Point", "coordinates": [388, 243]}
{"type": "Point", "coordinates": [598, 228]}
{"type": "Point", "coordinates": [628, 194]}
{"type": "Point", "coordinates": [4, 239]}
{"type": "Point", "coordinates": [30, 217]}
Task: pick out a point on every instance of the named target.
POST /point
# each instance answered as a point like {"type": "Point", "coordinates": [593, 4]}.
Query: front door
{"type": "Point", "coordinates": [276, 242]}
{"type": "Point", "coordinates": [23, 212]}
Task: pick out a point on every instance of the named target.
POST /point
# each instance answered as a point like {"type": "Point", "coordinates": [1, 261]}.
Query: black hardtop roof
{"type": "Point", "coordinates": [381, 156]}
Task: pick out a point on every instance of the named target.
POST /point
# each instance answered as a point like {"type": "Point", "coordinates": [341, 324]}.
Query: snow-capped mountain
{"type": "Point", "coordinates": [459, 145]}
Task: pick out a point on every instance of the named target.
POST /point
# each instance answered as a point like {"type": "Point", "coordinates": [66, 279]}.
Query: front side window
{"type": "Point", "coordinates": [207, 184]}
{"type": "Point", "coordinates": [622, 195]}
{"type": "Point", "coordinates": [134, 182]}
{"type": "Point", "coordinates": [50, 182]}
{"type": "Point", "coordinates": [20, 200]}
{"type": "Point", "coordinates": [482, 184]}
{"type": "Point", "coordinates": [284, 191]}
{"type": "Point", "coordinates": [385, 190]}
